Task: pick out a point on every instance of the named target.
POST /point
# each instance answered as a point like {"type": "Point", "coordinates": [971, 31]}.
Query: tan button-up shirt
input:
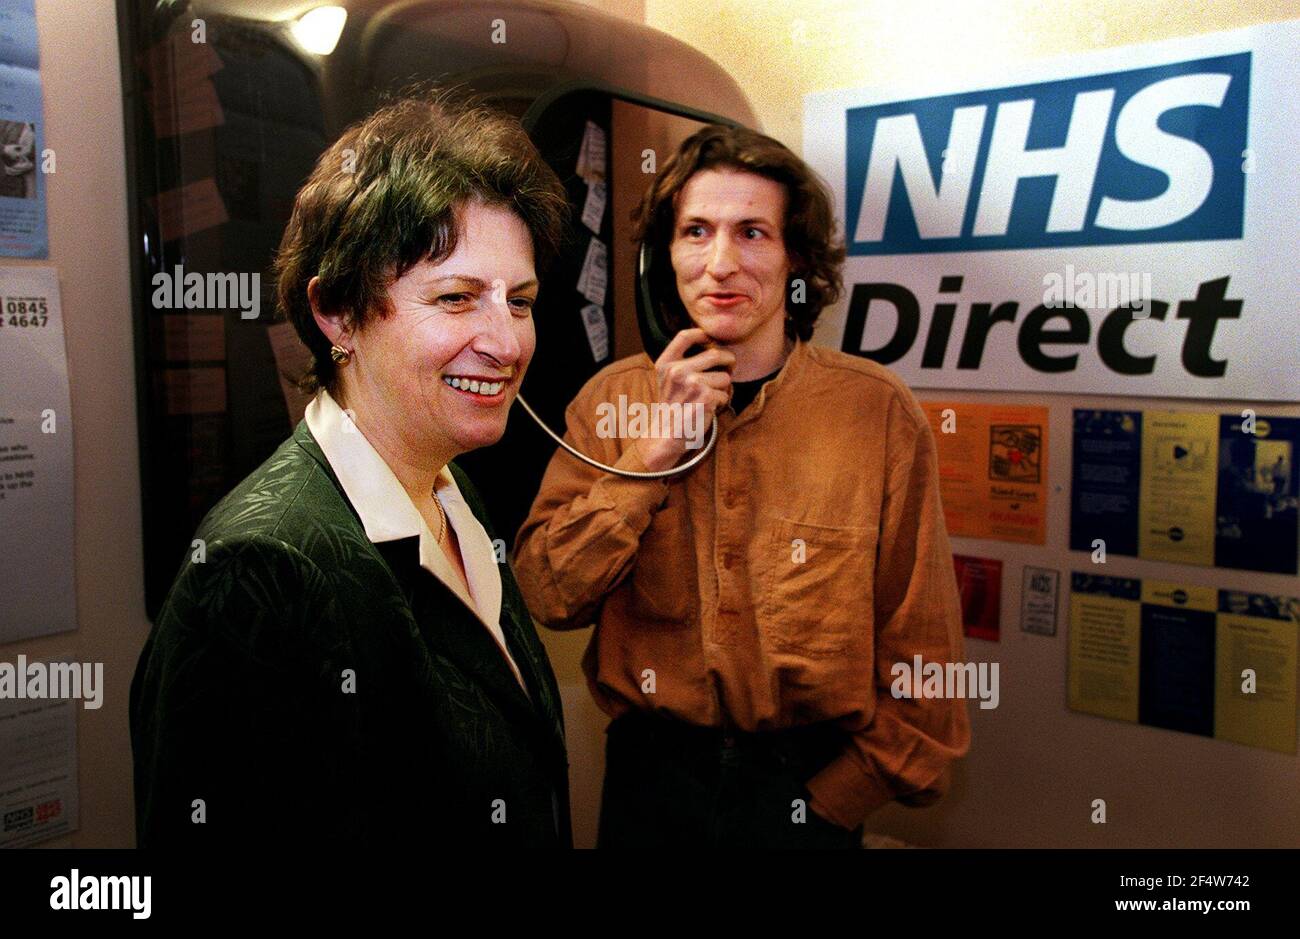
{"type": "Point", "coordinates": [777, 583]}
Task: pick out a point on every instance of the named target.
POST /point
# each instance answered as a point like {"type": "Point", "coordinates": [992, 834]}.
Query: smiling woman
{"type": "Point", "coordinates": [343, 643]}
{"type": "Point", "coordinates": [448, 334]}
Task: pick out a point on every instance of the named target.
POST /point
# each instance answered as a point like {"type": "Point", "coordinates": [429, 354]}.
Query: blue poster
{"type": "Point", "coordinates": [1106, 469]}
{"type": "Point", "coordinates": [1255, 515]}
{"type": "Point", "coordinates": [23, 231]}
{"type": "Point", "coordinates": [1176, 669]}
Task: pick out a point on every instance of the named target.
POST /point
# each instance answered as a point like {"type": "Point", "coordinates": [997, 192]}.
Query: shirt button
{"type": "Point", "coordinates": [728, 561]}
{"type": "Point", "coordinates": [730, 500]}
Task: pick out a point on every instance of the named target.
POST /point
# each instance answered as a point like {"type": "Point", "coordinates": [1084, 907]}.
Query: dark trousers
{"type": "Point", "coordinates": [672, 784]}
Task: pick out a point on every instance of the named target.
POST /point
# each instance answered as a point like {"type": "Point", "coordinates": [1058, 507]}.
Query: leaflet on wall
{"type": "Point", "coordinates": [992, 469]}
{"type": "Point", "coordinates": [1256, 509]}
{"type": "Point", "coordinates": [1218, 663]}
{"type": "Point", "coordinates": [979, 581]}
{"type": "Point", "coordinates": [1194, 488]}
{"type": "Point", "coordinates": [593, 321]}
{"type": "Point", "coordinates": [1176, 502]}
{"type": "Point", "coordinates": [592, 159]}
{"type": "Point", "coordinates": [1038, 598]}
{"type": "Point", "coordinates": [593, 207]}
{"type": "Point", "coordinates": [23, 159]}
{"type": "Point", "coordinates": [35, 458]}
{"type": "Point", "coordinates": [38, 777]}
{"type": "Point", "coordinates": [1166, 169]}
{"type": "Point", "coordinates": [593, 279]}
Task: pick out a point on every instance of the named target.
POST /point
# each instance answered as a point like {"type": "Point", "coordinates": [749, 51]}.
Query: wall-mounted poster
{"type": "Point", "coordinates": [1118, 221]}
{"type": "Point", "coordinates": [992, 469]}
{"type": "Point", "coordinates": [1257, 518]}
{"type": "Point", "coordinates": [1038, 599]}
{"type": "Point", "coordinates": [979, 580]}
{"type": "Point", "coordinates": [38, 776]}
{"type": "Point", "coordinates": [1194, 488]}
{"type": "Point", "coordinates": [36, 487]}
{"type": "Point", "coordinates": [23, 231]}
{"type": "Point", "coordinates": [1219, 663]}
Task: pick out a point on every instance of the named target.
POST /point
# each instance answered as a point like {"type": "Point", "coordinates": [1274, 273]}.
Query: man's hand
{"type": "Point", "coordinates": [688, 382]}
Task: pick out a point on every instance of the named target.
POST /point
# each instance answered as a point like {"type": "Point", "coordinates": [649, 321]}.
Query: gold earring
{"type": "Point", "coordinates": [340, 355]}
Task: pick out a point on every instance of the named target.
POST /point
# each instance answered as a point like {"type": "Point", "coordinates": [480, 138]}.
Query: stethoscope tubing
{"type": "Point", "coordinates": [633, 474]}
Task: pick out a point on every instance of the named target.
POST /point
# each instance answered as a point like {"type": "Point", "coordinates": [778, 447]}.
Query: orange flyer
{"type": "Point", "coordinates": [992, 469]}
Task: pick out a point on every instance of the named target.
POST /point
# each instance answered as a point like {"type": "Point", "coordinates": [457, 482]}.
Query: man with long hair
{"type": "Point", "coordinates": [749, 612]}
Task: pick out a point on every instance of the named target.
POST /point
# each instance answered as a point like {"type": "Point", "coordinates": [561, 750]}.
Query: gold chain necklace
{"type": "Point", "coordinates": [442, 518]}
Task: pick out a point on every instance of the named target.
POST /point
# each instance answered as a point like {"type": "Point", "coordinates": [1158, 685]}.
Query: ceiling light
{"type": "Point", "coordinates": [318, 30]}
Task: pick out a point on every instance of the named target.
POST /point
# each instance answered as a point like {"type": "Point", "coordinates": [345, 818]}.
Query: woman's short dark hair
{"type": "Point", "coordinates": [387, 195]}
{"type": "Point", "coordinates": [809, 233]}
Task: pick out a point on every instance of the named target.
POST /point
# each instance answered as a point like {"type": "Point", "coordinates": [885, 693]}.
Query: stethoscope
{"type": "Point", "coordinates": [634, 474]}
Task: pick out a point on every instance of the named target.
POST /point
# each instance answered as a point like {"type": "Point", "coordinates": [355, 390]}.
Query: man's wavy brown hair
{"type": "Point", "coordinates": [815, 254]}
{"type": "Point", "coordinates": [387, 195]}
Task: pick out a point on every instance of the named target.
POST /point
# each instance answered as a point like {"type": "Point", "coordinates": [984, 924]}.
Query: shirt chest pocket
{"type": "Point", "coordinates": [819, 591]}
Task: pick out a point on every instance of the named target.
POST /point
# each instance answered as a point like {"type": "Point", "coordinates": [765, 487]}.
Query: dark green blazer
{"type": "Point", "coordinates": [310, 687]}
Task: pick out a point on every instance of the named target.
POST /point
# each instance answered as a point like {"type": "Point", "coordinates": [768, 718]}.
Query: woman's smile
{"type": "Point", "coordinates": [481, 389]}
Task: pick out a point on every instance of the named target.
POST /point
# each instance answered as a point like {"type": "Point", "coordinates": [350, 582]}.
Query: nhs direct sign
{"type": "Point", "coordinates": [1151, 154]}
{"type": "Point", "coordinates": [1118, 222]}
